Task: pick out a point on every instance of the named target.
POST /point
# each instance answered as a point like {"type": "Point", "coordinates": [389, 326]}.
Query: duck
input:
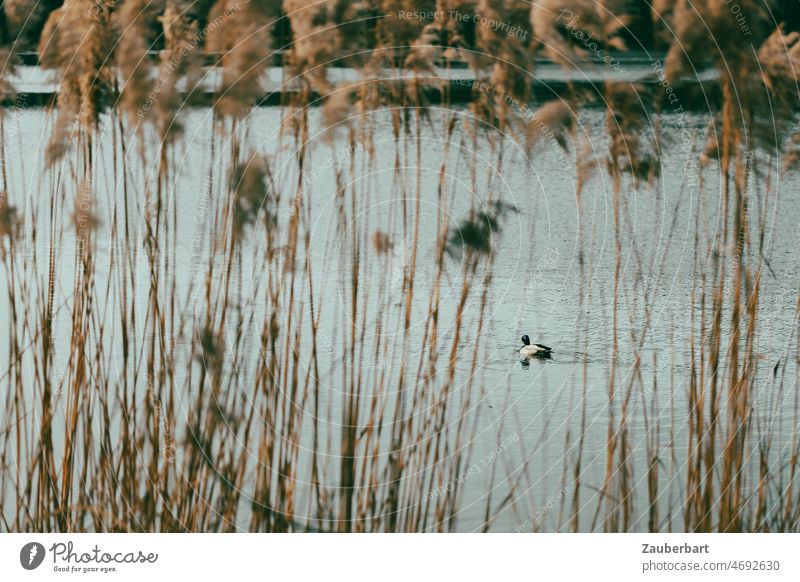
{"type": "Point", "coordinates": [536, 350]}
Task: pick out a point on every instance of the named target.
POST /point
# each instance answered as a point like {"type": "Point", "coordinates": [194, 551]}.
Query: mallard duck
{"type": "Point", "coordinates": [538, 350]}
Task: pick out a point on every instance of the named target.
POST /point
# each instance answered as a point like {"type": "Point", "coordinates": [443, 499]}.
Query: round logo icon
{"type": "Point", "coordinates": [31, 555]}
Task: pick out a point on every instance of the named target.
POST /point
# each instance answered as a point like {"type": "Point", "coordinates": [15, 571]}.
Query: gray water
{"type": "Point", "coordinates": [527, 414]}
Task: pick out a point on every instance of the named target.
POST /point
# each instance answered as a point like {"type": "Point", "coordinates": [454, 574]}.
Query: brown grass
{"type": "Point", "coordinates": [136, 404]}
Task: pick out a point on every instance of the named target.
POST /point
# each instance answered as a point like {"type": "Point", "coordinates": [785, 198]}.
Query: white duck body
{"type": "Point", "coordinates": [533, 350]}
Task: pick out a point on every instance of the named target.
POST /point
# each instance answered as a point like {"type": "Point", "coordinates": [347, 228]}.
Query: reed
{"type": "Point", "coordinates": [157, 383]}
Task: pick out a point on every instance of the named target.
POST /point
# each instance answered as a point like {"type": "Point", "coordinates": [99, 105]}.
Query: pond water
{"type": "Point", "coordinates": [552, 277]}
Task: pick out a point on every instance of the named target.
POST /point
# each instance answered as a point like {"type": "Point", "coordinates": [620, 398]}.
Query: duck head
{"type": "Point", "coordinates": [526, 340]}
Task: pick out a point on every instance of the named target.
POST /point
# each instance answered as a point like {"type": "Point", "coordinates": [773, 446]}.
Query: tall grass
{"type": "Point", "coordinates": [246, 396]}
